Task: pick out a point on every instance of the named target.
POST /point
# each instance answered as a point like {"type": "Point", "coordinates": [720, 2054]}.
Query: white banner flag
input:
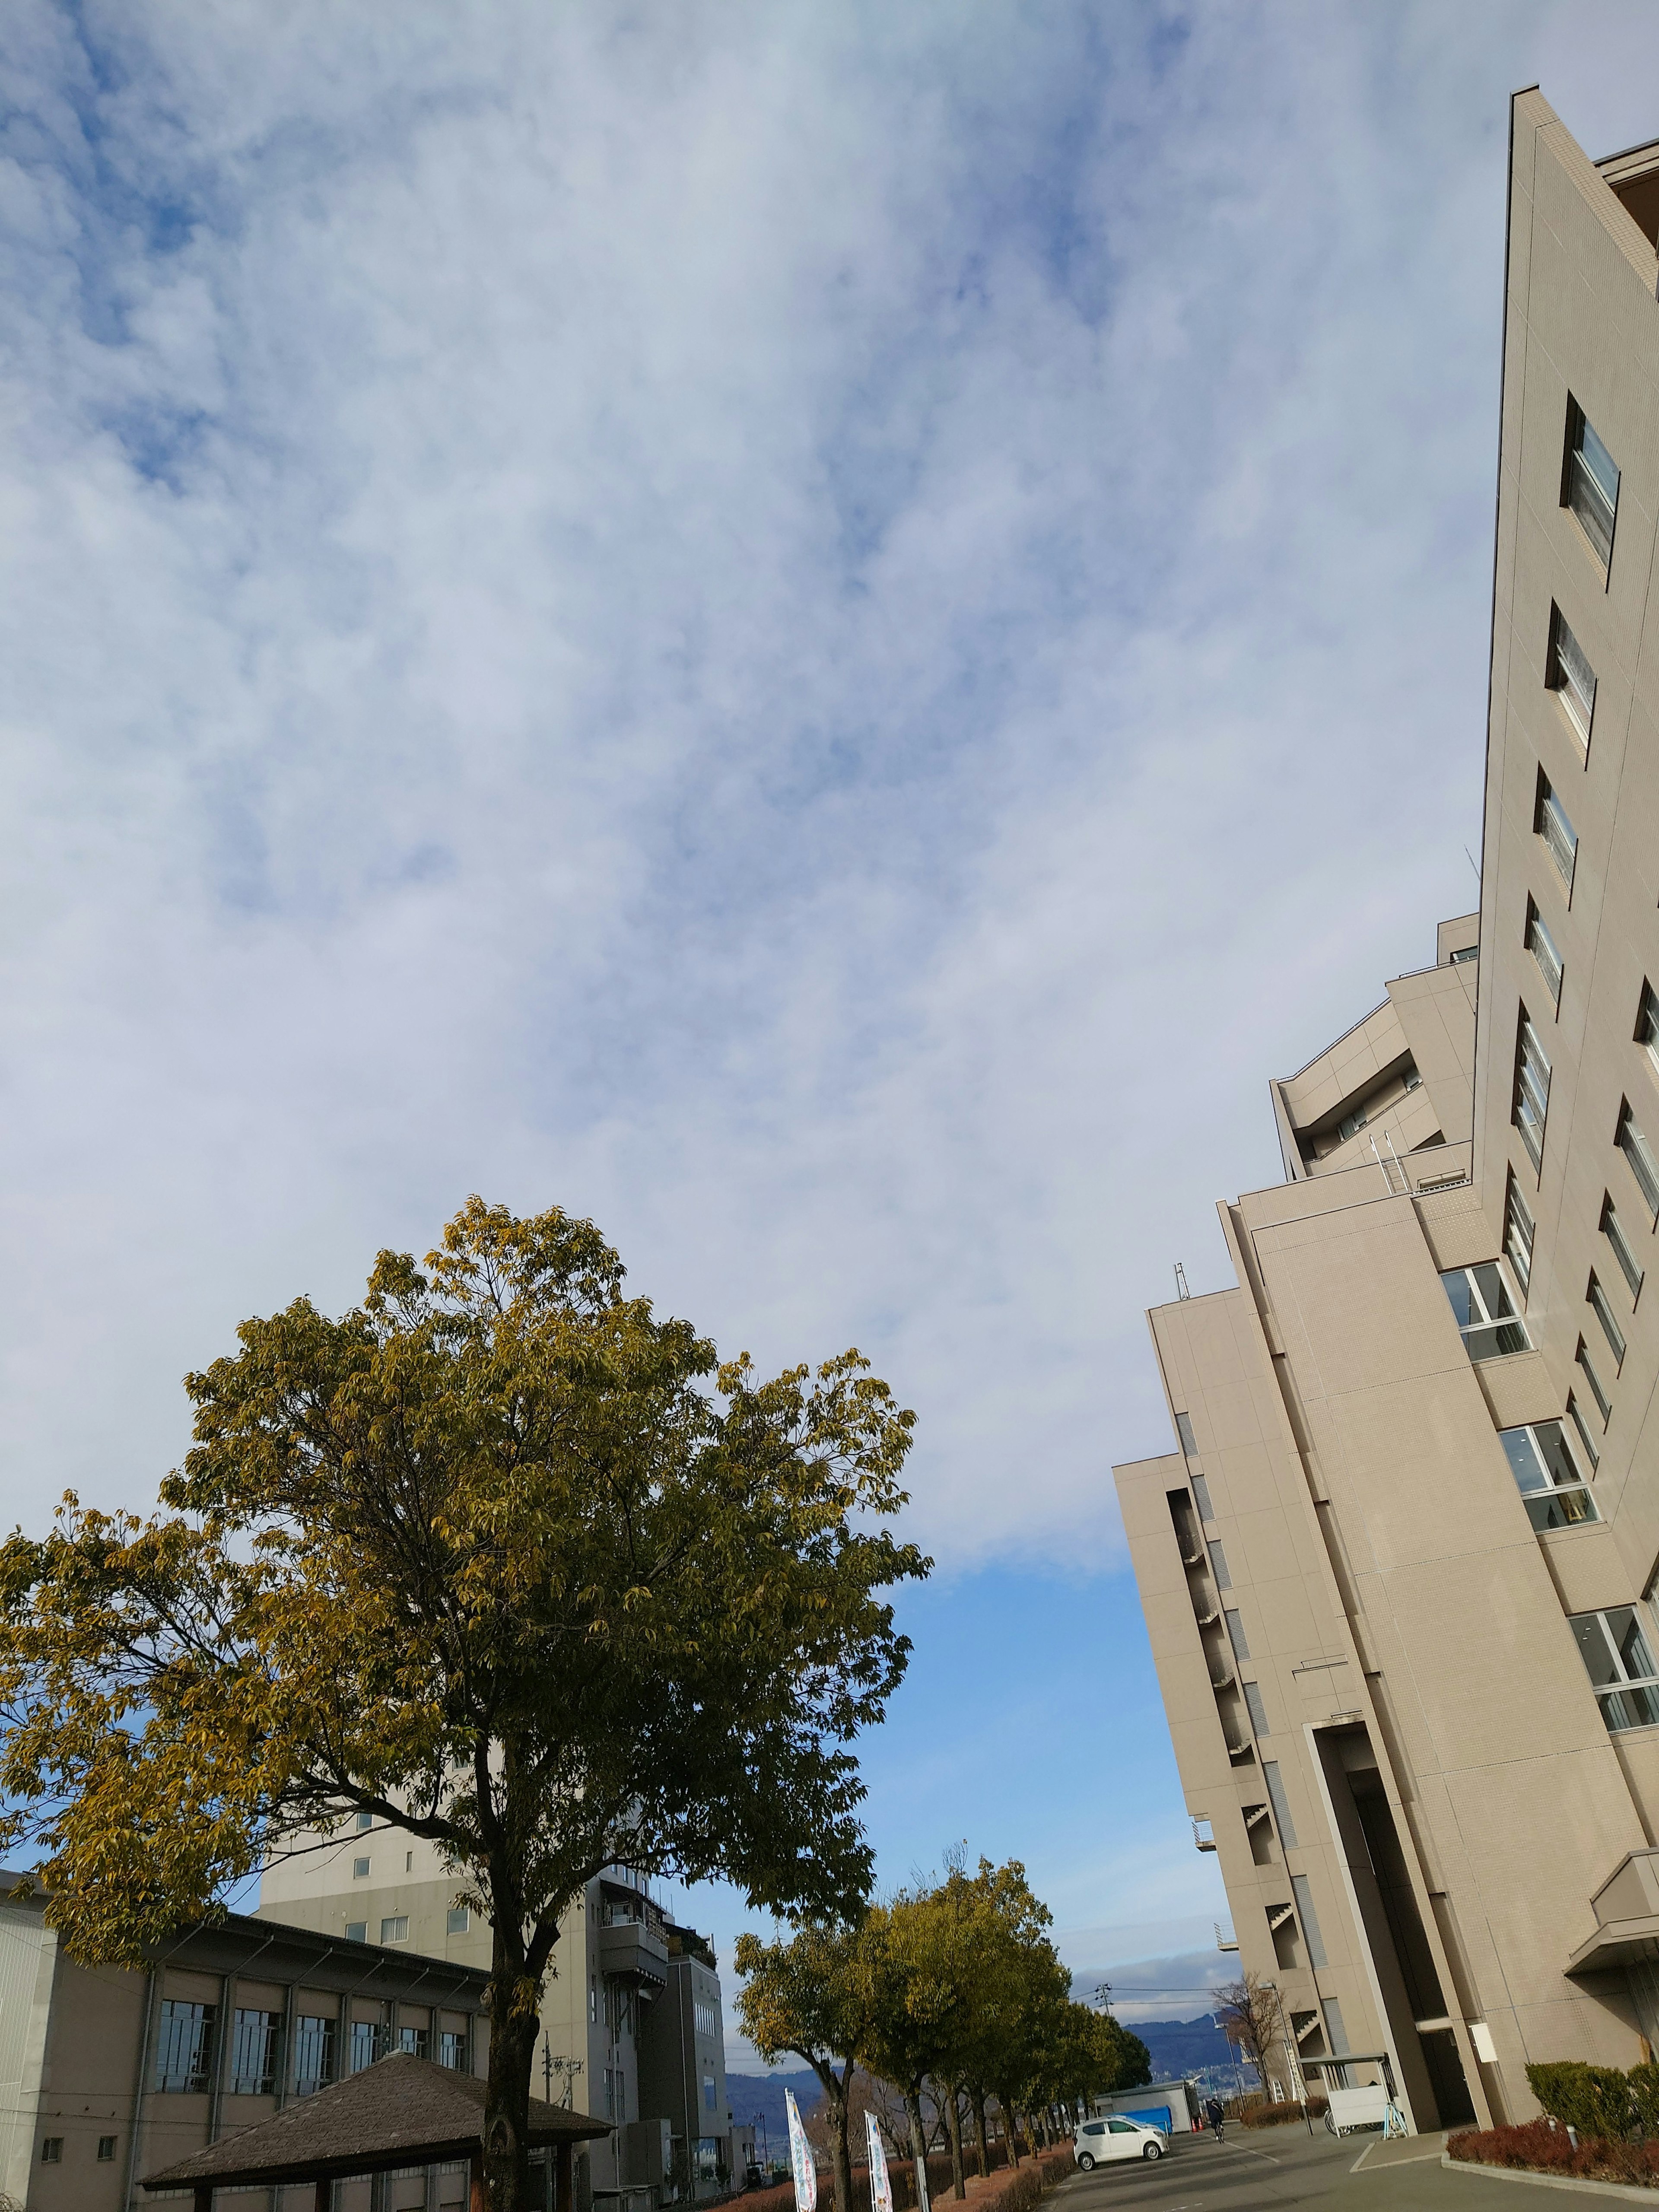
{"type": "Point", "coordinates": [881, 2189]}
{"type": "Point", "coordinates": [801, 2158]}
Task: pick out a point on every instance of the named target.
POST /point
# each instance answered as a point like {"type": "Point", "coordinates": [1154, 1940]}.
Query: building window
{"type": "Point", "coordinates": [1484, 1310]}
{"type": "Point", "coordinates": [1602, 1308]}
{"type": "Point", "coordinates": [365, 1821]}
{"type": "Point", "coordinates": [1464, 952]}
{"type": "Point", "coordinates": [313, 2054]}
{"type": "Point", "coordinates": [1236, 1635]}
{"type": "Point", "coordinates": [1517, 1234]}
{"type": "Point", "coordinates": [1184, 1431]}
{"type": "Point", "coordinates": [394, 1928]}
{"type": "Point", "coordinates": [457, 1920]}
{"type": "Point", "coordinates": [1218, 1566]}
{"type": "Point", "coordinates": [1620, 1663]}
{"type": "Point", "coordinates": [184, 2046]}
{"type": "Point", "coordinates": [1647, 1023]}
{"type": "Point", "coordinates": [1547, 1476]}
{"type": "Point", "coordinates": [1531, 1106]}
{"type": "Point", "coordinates": [593, 2001]}
{"type": "Point", "coordinates": [1541, 945]}
{"type": "Point", "coordinates": [1639, 1153]}
{"type": "Point", "coordinates": [1201, 1495]}
{"type": "Point", "coordinates": [1623, 1251]}
{"type": "Point", "coordinates": [1582, 1428]}
{"type": "Point", "coordinates": [253, 2054]}
{"type": "Point", "coordinates": [1590, 484]}
{"type": "Point", "coordinates": [1603, 1403]}
{"type": "Point", "coordinates": [359, 1870]}
{"type": "Point", "coordinates": [709, 2093]}
{"type": "Point", "coordinates": [51, 2150]}
{"type": "Point", "coordinates": [1569, 676]}
{"type": "Point", "coordinates": [415, 2040]}
{"type": "Point", "coordinates": [367, 2043]}
{"type": "Point", "coordinates": [452, 2050]}
{"type": "Point", "coordinates": [106, 2150]}
{"type": "Point", "coordinates": [1550, 821]}
{"type": "Point", "coordinates": [1258, 1711]}
{"type": "Point", "coordinates": [357, 1931]}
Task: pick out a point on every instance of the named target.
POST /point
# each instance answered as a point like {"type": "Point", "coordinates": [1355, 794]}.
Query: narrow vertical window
{"type": "Point", "coordinates": [1569, 676]}
{"type": "Point", "coordinates": [1623, 1250]}
{"type": "Point", "coordinates": [1647, 1023]}
{"type": "Point", "coordinates": [1531, 1105]}
{"type": "Point", "coordinates": [1201, 1496]}
{"type": "Point", "coordinates": [1517, 1234]}
{"type": "Point", "coordinates": [1218, 1566]}
{"type": "Point", "coordinates": [1582, 1428]}
{"type": "Point", "coordinates": [1184, 1431]}
{"type": "Point", "coordinates": [1258, 1711]}
{"type": "Point", "coordinates": [1302, 1890]}
{"type": "Point", "coordinates": [1279, 1802]}
{"type": "Point", "coordinates": [1550, 822]}
{"type": "Point", "coordinates": [1603, 1403]}
{"type": "Point", "coordinates": [1541, 945]}
{"type": "Point", "coordinates": [1590, 484]}
{"type": "Point", "coordinates": [1601, 1307]}
{"type": "Point", "coordinates": [1639, 1153]}
{"type": "Point", "coordinates": [1236, 1635]}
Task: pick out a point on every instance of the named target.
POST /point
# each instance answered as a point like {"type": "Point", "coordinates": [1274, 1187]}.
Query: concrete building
{"type": "Point", "coordinates": [1399, 1573]}
{"type": "Point", "coordinates": [614, 2010]}
{"type": "Point", "coordinates": [110, 2073]}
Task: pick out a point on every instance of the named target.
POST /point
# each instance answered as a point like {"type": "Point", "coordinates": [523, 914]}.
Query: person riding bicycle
{"type": "Point", "coordinates": [1214, 2115]}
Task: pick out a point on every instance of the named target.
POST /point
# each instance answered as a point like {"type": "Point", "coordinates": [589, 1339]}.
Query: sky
{"type": "Point", "coordinates": [824, 634]}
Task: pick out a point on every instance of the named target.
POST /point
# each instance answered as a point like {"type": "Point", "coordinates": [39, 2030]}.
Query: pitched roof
{"type": "Point", "coordinates": [403, 2111]}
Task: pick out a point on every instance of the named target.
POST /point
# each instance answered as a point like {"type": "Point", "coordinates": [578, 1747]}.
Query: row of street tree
{"type": "Point", "coordinates": [953, 1993]}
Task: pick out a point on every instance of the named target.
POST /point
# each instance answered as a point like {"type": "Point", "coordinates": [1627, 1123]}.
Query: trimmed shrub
{"type": "Point", "coordinates": [1542, 2148]}
{"type": "Point", "coordinates": [1279, 2116]}
{"type": "Point", "coordinates": [1644, 2084]}
{"type": "Point", "coordinates": [1594, 2100]}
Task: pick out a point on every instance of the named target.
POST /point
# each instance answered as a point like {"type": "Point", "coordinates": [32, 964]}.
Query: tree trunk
{"type": "Point", "coordinates": [918, 2147]}
{"type": "Point", "coordinates": [514, 2026]}
{"type": "Point", "coordinates": [1009, 2136]}
{"type": "Point", "coordinates": [836, 2098]}
{"type": "Point", "coordinates": [976, 2100]}
{"type": "Point", "coordinates": [953, 2123]}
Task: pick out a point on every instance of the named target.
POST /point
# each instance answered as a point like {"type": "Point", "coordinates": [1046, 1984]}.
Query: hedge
{"type": "Point", "coordinates": [1547, 2149]}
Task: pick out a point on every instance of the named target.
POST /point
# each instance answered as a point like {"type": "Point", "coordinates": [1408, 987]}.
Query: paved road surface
{"type": "Point", "coordinates": [1267, 2169]}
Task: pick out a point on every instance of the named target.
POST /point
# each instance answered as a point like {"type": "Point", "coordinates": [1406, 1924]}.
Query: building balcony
{"type": "Point", "coordinates": [631, 1951]}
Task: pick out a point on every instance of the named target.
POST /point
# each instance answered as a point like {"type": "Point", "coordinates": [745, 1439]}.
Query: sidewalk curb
{"type": "Point", "coordinates": [1627, 2191]}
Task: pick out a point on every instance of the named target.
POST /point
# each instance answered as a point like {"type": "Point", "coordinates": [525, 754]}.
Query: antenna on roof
{"type": "Point", "coordinates": [1181, 1291]}
{"type": "Point", "coordinates": [1473, 862]}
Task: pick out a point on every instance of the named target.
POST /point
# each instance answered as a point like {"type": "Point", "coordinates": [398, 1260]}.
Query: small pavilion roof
{"type": "Point", "coordinates": [401, 2110]}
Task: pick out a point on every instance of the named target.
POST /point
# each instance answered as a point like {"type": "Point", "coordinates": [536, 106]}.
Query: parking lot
{"type": "Point", "coordinates": [1283, 2166]}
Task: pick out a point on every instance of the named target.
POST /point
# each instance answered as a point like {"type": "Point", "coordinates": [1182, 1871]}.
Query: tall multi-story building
{"type": "Point", "coordinates": [1399, 1573]}
{"type": "Point", "coordinates": [614, 2041]}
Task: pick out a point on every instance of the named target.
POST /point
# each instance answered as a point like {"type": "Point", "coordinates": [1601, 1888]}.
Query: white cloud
{"type": "Point", "coordinates": [824, 633]}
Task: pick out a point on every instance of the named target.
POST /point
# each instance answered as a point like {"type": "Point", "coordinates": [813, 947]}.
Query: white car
{"type": "Point", "coordinates": [1100, 2140]}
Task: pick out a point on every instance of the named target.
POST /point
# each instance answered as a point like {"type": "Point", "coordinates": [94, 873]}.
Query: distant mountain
{"type": "Point", "coordinates": [1181, 2047]}
{"type": "Point", "coordinates": [747, 2095]}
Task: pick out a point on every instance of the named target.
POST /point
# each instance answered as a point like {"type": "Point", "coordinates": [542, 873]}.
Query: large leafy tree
{"type": "Point", "coordinates": [813, 1995]}
{"type": "Point", "coordinates": [504, 1560]}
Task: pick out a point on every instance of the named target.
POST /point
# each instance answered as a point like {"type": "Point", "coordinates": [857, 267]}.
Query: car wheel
{"type": "Point", "coordinates": [1086, 2164]}
{"type": "Point", "coordinates": [1152, 2150]}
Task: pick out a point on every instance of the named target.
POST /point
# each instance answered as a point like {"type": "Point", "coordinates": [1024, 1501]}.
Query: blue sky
{"type": "Point", "coordinates": [823, 633]}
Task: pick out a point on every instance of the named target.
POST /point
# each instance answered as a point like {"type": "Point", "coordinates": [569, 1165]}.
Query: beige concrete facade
{"type": "Point", "coordinates": [1410, 1701]}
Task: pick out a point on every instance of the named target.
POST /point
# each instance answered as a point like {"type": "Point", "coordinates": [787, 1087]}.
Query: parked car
{"type": "Point", "coordinates": [1100, 2140]}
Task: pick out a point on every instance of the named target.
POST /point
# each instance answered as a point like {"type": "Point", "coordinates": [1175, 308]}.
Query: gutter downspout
{"type": "Point", "coordinates": [152, 2007]}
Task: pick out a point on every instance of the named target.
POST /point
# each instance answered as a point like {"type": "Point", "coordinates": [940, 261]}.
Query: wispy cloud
{"type": "Point", "coordinates": [823, 633]}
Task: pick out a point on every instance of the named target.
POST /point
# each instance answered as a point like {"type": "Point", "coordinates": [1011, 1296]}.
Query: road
{"type": "Point", "coordinates": [1266, 2169]}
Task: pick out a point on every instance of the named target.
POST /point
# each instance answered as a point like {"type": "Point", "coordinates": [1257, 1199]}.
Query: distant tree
{"type": "Point", "coordinates": [502, 1560]}
{"type": "Point", "coordinates": [812, 1996]}
{"type": "Point", "coordinates": [1252, 2020]}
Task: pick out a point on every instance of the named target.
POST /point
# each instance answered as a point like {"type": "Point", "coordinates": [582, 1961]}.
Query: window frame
{"type": "Point", "coordinates": [1572, 478]}
{"type": "Point", "coordinates": [1611, 1695]}
{"type": "Point", "coordinates": [1576, 1415]}
{"type": "Point", "coordinates": [1547, 809]}
{"type": "Point", "coordinates": [1536, 940]}
{"type": "Point", "coordinates": [1542, 1498]}
{"type": "Point", "coordinates": [1581, 1361]}
{"type": "Point", "coordinates": [1623, 1250]}
{"type": "Point", "coordinates": [1566, 671]}
{"type": "Point", "coordinates": [1595, 1296]}
{"type": "Point", "coordinates": [1485, 1322]}
{"type": "Point", "coordinates": [1646, 1032]}
{"type": "Point", "coordinates": [1639, 1158]}
{"type": "Point", "coordinates": [1518, 1234]}
{"type": "Point", "coordinates": [1526, 1082]}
